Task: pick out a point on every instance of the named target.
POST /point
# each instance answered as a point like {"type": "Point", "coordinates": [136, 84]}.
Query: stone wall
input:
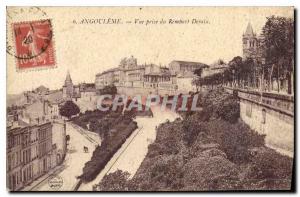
{"type": "Point", "coordinates": [270, 114]}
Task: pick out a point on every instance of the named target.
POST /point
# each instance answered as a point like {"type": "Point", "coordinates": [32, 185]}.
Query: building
{"type": "Point", "coordinates": [184, 71]}
{"type": "Point", "coordinates": [185, 68]}
{"type": "Point", "coordinates": [68, 88]}
{"type": "Point", "coordinates": [131, 78]}
{"type": "Point", "coordinates": [85, 91]}
{"type": "Point", "coordinates": [106, 78]}
{"type": "Point", "coordinates": [158, 78]}
{"type": "Point", "coordinates": [38, 134]}
{"type": "Point", "coordinates": [218, 67]}
{"type": "Point", "coordinates": [59, 140]}
{"type": "Point", "coordinates": [29, 153]}
{"type": "Point", "coordinates": [252, 45]}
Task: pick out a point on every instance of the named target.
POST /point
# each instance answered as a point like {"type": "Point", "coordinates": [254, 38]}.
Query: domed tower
{"type": "Point", "coordinates": [68, 87]}
{"type": "Point", "coordinates": [249, 43]}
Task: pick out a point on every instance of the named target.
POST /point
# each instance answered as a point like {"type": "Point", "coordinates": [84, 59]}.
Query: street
{"type": "Point", "coordinates": [75, 158]}
{"type": "Point", "coordinates": [130, 156]}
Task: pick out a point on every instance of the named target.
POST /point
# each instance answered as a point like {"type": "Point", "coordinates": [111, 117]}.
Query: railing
{"type": "Point", "coordinates": [278, 102]}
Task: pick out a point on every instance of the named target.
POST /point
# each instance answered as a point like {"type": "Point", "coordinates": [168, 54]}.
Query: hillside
{"type": "Point", "coordinates": [207, 151]}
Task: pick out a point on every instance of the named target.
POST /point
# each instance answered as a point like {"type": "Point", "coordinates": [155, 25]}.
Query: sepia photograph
{"type": "Point", "coordinates": [150, 99]}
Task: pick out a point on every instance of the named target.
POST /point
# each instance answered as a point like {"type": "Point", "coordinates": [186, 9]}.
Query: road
{"type": "Point", "coordinates": [130, 156]}
{"type": "Point", "coordinates": [75, 158]}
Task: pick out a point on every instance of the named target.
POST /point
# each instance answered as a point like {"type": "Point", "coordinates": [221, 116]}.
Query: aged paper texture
{"type": "Point", "coordinates": [150, 98]}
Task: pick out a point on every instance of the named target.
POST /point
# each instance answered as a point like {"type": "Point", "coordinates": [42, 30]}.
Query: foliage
{"type": "Point", "coordinates": [279, 40]}
{"type": "Point", "coordinates": [116, 181]}
{"type": "Point", "coordinates": [109, 146]}
{"type": "Point", "coordinates": [169, 140]}
{"type": "Point", "coordinates": [111, 90]}
{"type": "Point", "coordinates": [278, 45]}
{"type": "Point", "coordinates": [114, 128]}
{"type": "Point", "coordinates": [219, 104]}
{"type": "Point", "coordinates": [229, 109]}
{"type": "Point", "coordinates": [162, 173]}
{"type": "Point", "coordinates": [69, 109]}
{"type": "Point", "coordinates": [269, 170]}
{"type": "Point", "coordinates": [205, 151]}
{"type": "Point", "coordinates": [234, 139]}
{"type": "Point", "coordinates": [210, 173]}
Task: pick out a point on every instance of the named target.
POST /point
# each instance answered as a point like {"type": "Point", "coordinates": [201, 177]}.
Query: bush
{"type": "Point", "coordinates": [229, 109]}
{"type": "Point", "coordinates": [116, 181]}
{"type": "Point", "coordinates": [274, 169]}
{"type": "Point", "coordinates": [105, 152]}
{"type": "Point", "coordinates": [210, 173]}
{"type": "Point", "coordinates": [168, 140]}
{"type": "Point", "coordinates": [190, 128]}
{"type": "Point", "coordinates": [234, 139]}
{"type": "Point", "coordinates": [219, 104]}
{"type": "Point", "coordinates": [162, 173]}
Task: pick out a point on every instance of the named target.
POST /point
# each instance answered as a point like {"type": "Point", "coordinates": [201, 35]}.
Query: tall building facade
{"type": "Point", "coordinates": [30, 153]}
{"type": "Point", "coordinates": [36, 140]}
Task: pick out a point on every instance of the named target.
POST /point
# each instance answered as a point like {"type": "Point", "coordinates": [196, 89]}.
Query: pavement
{"type": "Point", "coordinates": [75, 158]}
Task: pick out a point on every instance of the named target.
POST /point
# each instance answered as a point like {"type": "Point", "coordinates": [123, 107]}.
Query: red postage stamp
{"type": "Point", "coordinates": [34, 44]}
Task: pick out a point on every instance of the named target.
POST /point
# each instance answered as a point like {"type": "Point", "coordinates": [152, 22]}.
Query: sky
{"type": "Point", "coordinates": [87, 49]}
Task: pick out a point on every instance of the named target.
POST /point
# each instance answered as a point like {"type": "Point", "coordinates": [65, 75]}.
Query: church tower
{"type": "Point", "coordinates": [250, 43]}
{"type": "Point", "coordinates": [68, 87]}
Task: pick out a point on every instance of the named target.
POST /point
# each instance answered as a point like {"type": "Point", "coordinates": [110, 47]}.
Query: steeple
{"type": "Point", "coordinates": [68, 80]}
{"type": "Point", "coordinates": [68, 88]}
{"type": "Point", "coordinates": [249, 30]}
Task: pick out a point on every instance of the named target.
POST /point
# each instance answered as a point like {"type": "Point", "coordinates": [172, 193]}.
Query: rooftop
{"type": "Point", "coordinates": [190, 62]}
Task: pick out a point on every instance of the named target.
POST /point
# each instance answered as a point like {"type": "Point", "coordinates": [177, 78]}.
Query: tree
{"type": "Point", "coordinates": [235, 67]}
{"type": "Point", "coordinates": [197, 82]}
{"type": "Point", "coordinates": [111, 89]}
{"type": "Point", "coordinates": [278, 44]}
{"type": "Point", "coordinates": [69, 109]}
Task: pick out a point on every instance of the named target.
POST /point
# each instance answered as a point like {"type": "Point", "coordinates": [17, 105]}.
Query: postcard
{"type": "Point", "coordinates": [150, 99]}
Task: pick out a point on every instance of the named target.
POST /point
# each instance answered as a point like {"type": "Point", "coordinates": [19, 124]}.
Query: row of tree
{"type": "Point", "coordinates": [273, 69]}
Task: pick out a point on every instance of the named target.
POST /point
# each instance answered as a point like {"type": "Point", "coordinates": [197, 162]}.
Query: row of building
{"type": "Point", "coordinates": [36, 137]}
{"type": "Point", "coordinates": [132, 78]}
